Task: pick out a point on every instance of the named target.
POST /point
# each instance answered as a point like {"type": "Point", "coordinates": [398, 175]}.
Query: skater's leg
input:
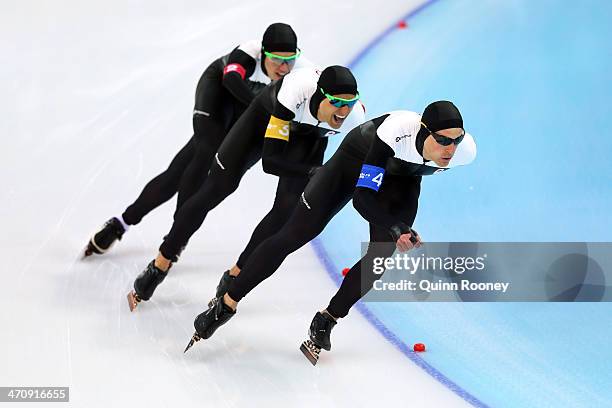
{"type": "Point", "coordinates": [300, 229]}
{"type": "Point", "coordinates": [189, 218]}
{"type": "Point", "coordinates": [161, 188]}
{"type": "Point", "coordinates": [306, 150]}
{"type": "Point", "coordinates": [191, 215]}
{"type": "Point", "coordinates": [270, 254]}
{"type": "Point", "coordinates": [349, 293]}
{"type": "Point", "coordinates": [208, 137]}
{"type": "Point", "coordinates": [287, 197]}
{"type": "Point", "coordinates": [400, 198]}
{"type": "Point", "coordinates": [156, 192]}
{"type": "Point", "coordinates": [214, 114]}
{"type": "Point", "coordinates": [240, 150]}
{"type": "Point", "coordinates": [326, 193]}
{"type": "Point", "coordinates": [350, 289]}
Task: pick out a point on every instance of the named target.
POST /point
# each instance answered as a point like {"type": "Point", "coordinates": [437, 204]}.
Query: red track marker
{"type": "Point", "coordinates": [419, 347]}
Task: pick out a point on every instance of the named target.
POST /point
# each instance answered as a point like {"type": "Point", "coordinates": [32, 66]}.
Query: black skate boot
{"type": "Point", "coordinates": [111, 231]}
{"type": "Point", "coordinates": [223, 286]}
{"type": "Point", "coordinates": [145, 284]}
{"type": "Point", "coordinates": [209, 321]}
{"type": "Point", "coordinates": [319, 333]}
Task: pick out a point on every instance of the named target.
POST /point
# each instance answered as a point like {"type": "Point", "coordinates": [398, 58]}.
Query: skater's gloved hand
{"type": "Point", "coordinates": [406, 238]}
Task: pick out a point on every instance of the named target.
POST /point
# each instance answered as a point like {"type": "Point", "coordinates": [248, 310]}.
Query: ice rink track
{"type": "Point", "coordinates": [97, 98]}
{"type": "Point", "coordinates": [532, 81]}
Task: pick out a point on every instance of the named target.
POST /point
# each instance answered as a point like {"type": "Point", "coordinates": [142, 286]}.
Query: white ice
{"type": "Point", "coordinates": [96, 98]}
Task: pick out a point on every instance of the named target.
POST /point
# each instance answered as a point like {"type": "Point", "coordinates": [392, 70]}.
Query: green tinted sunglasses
{"type": "Point", "coordinates": [340, 102]}
{"type": "Point", "coordinates": [280, 60]}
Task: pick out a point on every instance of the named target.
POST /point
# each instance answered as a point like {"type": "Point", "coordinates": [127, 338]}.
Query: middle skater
{"type": "Point", "coordinates": [287, 125]}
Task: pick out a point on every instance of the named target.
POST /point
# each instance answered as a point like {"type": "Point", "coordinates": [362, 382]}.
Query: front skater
{"type": "Point", "coordinates": [288, 122]}
{"type": "Point", "coordinates": [379, 165]}
{"type": "Point", "coordinates": [224, 91]}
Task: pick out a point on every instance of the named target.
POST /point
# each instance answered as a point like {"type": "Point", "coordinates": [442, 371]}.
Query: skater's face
{"type": "Point", "coordinates": [276, 66]}
{"type": "Point", "coordinates": [438, 153]}
{"type": "Point", "coordinates": [335, 115]}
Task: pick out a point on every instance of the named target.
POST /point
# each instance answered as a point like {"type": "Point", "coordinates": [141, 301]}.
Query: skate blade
{"type": "Point", "coordinates": [133, 300]}
{"type": "Point", "coordinates": [92, 249]}
{"type": "Point", "coordinates": [88, 251]}
{"type": "Point", "coordinates": [196, 337]}
{"type": "Point", "coordinates": [311, 354]}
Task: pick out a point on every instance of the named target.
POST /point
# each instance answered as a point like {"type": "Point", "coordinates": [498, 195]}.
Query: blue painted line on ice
{"type": "Point", "coordinates": [388, 31]}
{"type": "Point", "coordinates": [390, 336]}
{"type": "Point", "coordinates": [363, 309]}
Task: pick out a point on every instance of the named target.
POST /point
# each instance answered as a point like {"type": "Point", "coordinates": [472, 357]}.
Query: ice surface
{"type": "Point", "coordinates": [96, 98]}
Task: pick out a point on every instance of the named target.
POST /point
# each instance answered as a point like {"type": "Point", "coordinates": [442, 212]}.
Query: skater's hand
{"type": "Point", "coordinates": [408, 241]}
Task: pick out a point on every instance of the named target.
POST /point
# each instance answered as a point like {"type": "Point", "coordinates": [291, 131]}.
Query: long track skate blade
{"type": "Point", "coordinates": [133, 300]}
{"type": "Point", "coordinates": [311, 355]}
{"type": "Point", "coordinates": [88, 251]}
{"type": "Point", "coordinates": [193, 340]}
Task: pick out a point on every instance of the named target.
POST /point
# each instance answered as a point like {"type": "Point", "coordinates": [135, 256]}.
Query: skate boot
{"type": "Point", "coordinates": [209, 321]}
{"type": "Point", "coordinates": [223, 286]}
{"type": "Point", "coordinates": [111, 231]}
{"type": "Point", "coordinates": [319, 333]}
{"type": "Point", "coordinates": [145, 284]}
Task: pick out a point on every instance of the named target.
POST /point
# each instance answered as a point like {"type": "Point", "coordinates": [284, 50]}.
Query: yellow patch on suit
{"type": "Point", "coordinates": [278, 129]}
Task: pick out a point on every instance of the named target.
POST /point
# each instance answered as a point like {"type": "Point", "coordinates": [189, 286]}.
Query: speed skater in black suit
{"type": "Point", "coordinates": [287, 125]}
{"type": "Point", "coordinates": [379, 165]}
{"type": "Point", "coordinates": [223, 92]}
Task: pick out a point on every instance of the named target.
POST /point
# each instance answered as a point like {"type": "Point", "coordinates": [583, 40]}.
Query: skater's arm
{"type": "Point", "coordinates": [369, 208]}
{"type": "Point", "coordinates": [240, 66]}
{"type": "Point", "coordinates": [370, 180]}
{"type": "Point", "coordinates": [274, 157]}
{"type": "Point", "coordinates": [274, 161]}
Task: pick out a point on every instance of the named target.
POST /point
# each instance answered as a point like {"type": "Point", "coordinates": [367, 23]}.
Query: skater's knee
{"type": "Point", "coordinates": [284, 206]}
{"type": "Point", "coordinates": [222, 188]}
{"type": "Point", "coordinates": [201, 125]}
{"type": "Point", "coordinates": [276, 218]}
{"type": "Point", "coordinates": [294, 237]}
{"type": "Point", "coordinates": [195, 174]}
{"type": "Point", "coordinates": [174, 171]}
{"type": "Point", "coordinates": [212, 192]}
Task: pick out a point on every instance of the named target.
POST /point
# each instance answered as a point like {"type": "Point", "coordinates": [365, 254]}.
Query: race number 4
{"type": "Point", "coordinates": [371, 177]}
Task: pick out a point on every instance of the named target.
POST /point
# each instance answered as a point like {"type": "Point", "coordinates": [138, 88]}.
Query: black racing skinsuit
{"type": "Point", "coordinates": [328, 191]}
{"type": "Point", "coordinates": [220, 99]}
{"type": "Point", "coordinates": [241, 149]}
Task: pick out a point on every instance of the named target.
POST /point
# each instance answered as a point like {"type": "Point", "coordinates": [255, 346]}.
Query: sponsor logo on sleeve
{"type": "Point", "coordinates": [397, 139]}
